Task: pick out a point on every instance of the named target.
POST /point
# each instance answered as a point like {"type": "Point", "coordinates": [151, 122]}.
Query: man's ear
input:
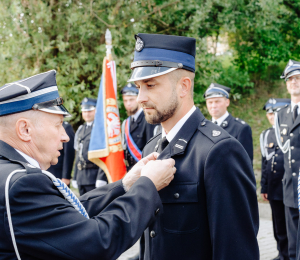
{"type": "Point", "coordinates": [24, 129]}
{"type": "Point", "coordinates": [227, 102]}
{"type": "Point", "coordinates": [186, 85]}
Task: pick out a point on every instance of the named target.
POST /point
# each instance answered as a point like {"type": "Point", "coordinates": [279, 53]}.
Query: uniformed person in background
{"type": "Point", "coordinates": [217, 102]}
{"type": "Point", "coordinates": [87, 175]}
{"type": "Point", "coordinates": [288, 139]}
{"type": "Point", "coordinates": [210, 209]}
{"type": "Point", "coordinates": [272, 171]}
{"type": "Point", "coordinates": [136, 132]}
{"type": "Point", "coordinates": [40, 218]}
{"type": "Point", "coordinates": [63, 169]}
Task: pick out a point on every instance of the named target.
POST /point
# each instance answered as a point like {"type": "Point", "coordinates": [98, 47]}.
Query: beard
{"type": "Point", "coordinates": [163, 114]}
{"type": "Point", "coordinates": [132, 111]}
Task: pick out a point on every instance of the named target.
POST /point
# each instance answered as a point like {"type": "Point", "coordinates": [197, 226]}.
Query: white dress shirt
{"type": "Point", "coordinates": [221, 119]}
{"type": "Point", "coordinates": [29, 159]}
{"type": "Point", "coordinates": [293, 105]}
{"type": "Point", "coordinates": [178, 126]}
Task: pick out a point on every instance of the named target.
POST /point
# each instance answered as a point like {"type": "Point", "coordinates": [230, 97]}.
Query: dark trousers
{"type": "Point", "coordinates": [279, 228]}
{"type": "Point", "coordinates": [85, 188]}
{"type": "Point", "coordinates": [292, 218]}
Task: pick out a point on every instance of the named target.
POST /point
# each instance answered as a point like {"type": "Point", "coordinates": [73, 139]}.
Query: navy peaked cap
{"type": "Point", "coordinates": [88, 104]}
{"type": "Point", "coordinates": [216, 90]}
{"type": "Point", "coordinates": [291, 69]}
{"type": "Point", "coordinates": [157, 54]}
{"type": "Point", "coordinates": [274, 103]}
{"type": "Point", "coordinates": [38, 92]}
{"type": "Point", "coordinates": [130, 90]}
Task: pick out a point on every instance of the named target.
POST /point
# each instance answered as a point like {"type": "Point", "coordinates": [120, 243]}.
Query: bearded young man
{"type": "Point", "coordinates": [40, 218]}
{"type": "Point", "coordinates": [288, 129]}
{"type": "Point", "coordinates": [210, 209]}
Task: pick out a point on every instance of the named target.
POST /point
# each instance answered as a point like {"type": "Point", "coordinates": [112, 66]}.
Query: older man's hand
{"type": "Point", "coordinates": [160, 172]}
{"type": "Point", "coordinates": [132, 176]}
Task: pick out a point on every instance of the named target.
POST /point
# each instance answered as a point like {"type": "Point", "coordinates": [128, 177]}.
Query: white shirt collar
{"type": "Point", "coordinates": [178, 126]}
{"type": "Point", "coordinates": [294, 104]}
{"type": "Point", "coordinates": [137, 114]}
{"type": "Point", "coordinates": [29, 159]}
{"type": "Point", "coordinates": [221, 119]}
{"type": "Point", "coordinates": [89, 123]}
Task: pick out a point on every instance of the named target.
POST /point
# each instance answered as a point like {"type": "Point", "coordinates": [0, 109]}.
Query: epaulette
{"type": "Point", "coordinates": [153, 138]}
{"type": "Point", "coordinates": [240, 121]}
{"type": "Point", "coordinates": [213, 132]}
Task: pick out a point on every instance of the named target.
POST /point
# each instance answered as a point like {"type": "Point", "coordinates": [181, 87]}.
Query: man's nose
{"type": "Point", "coordinates": [65, 138]}
{"type": "Point", "coordinates": [142, 96]}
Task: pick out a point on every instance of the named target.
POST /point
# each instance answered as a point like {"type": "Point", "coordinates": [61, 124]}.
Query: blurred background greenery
{"type": "Point", "coordinates": [259, 36]}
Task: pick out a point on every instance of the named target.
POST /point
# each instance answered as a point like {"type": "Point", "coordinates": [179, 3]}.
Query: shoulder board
{"type": "Point", "coordinates": [153, 138]}
{"type": "Point", "coordinates": [212, 131]}
{"type": "Point", "coordinates": [240, 121]}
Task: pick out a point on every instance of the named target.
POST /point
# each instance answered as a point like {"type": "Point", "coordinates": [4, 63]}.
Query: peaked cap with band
{"type": "Point", "coordinates": [274, 103]}
{"type": "Point", "coordinates": [291, 69]}
{"type": "Point", "coordinates": [216, 90]}
{"type": "Point", "coordinates": [130, 90]}
{"type": "Point", "coordinates": [88, 104]}
{"type": "Point", "coordinates": [38, 92]}
{"type": "Point", "coordinates": [157, 54]}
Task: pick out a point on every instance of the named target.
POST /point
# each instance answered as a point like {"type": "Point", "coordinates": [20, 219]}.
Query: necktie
{"type": "Point", "coordinates": [295, 113]}
{"type": "Point", "coordinates": [164, 142]}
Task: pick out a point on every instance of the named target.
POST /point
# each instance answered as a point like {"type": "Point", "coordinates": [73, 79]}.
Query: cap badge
{"type": "Point", "coordinates": [272, 101]}
{"type": "Point", "coordinates": [216, 133]}
{"type": "Point", "coordinates": [129, 85]}
{"type": "Point", "coordinates": [139, 45]}
{"type": "Point", "coordinates": [85, 100]}
{"type": "Point", "coordinates": [291, 63]}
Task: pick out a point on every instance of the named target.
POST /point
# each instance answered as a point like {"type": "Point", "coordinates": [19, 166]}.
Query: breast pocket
{"type": "Point", "coordinates": [181, 209]}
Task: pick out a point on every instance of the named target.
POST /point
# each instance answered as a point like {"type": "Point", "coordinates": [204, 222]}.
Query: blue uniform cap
{"type": "Point", "coordinates": [291, 69]}
{"type": "Point", "coordinates": [216, 90]}
{"type": "Point", "coordinates": [88, 104]}
{"type": "Point", "coordinates": [157, 54]}
{"type": "Point", "coordinates": [130, 90]}
{"type": "Point", "coordinates": [38, 92]}
{"type": "Point", "coordinates": [274, 103]}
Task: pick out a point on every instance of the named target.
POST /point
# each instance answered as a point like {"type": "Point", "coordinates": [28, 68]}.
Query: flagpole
{"type": "Point", "coordinates": [108, 41]}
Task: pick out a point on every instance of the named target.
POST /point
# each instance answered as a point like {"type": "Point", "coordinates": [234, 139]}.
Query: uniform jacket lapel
{"type": "Point", "coordinates": [87, 131]}
{"type": "Point", "coordinates": [296, 123]}
{"type": "Point", "coordinates": [182, 138]}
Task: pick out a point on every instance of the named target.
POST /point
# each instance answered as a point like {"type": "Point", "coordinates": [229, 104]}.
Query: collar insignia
{"type": "Point", "coordinates": [216, 133]}
{"type": "Point", "coordinates": [139, 45]}
{"type": "Point", "coordinates": [225, 123]}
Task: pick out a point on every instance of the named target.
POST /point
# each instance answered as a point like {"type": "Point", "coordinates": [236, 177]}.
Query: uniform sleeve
{"type": "Point", "coordinates": [69, 154]}
{"type": "Point", "coordinates": [245, 138]}
{"type": "Point", "coordinates": [231, 202]}
{"type": "Point", "coordinates": [264, 175]}
{"type": "Point", "coordinates": [47, 226]}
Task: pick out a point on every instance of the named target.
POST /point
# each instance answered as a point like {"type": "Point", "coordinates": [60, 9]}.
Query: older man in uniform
{"type": "Point", "coordinates": [272, 171]}
{"type": "Point", "coordinates": [217, 102]}
{"type": "Point", "coordinates": [287, 127]}
{"type": "Point", "coordinates": [210, 209]}
{"type": "Point", "coordinates": [63, 169]}
{"type": "Point", "coordinates": [40, 218]}
{"type": "Point", "coordinates": [87, 175]}
{"type": "Point", "coordinates": [136, 132]}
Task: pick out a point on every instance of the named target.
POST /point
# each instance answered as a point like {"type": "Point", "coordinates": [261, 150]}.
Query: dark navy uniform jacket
{"type": "Point", "coordinates": [88, 175]}
{"type": "Point", "coordinates": [272, 168]}
{"type": "Point", "coordinates": [141, 132]}
{"type": "Point", "coordinates": [46, 226]}
{"type": "Point", "coordinates": [290, 130]}
{"type": "Point", "coordinates": [63, 168]}
{"type": "Point", "coordinates": [210, 208]}
{"type": "Point", "coordinates": [241, 131]}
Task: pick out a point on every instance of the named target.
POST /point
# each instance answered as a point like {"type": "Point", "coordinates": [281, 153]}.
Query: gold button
{"type": "Point", "coordinates": [275, 171]}
{"type": "Point", "coordinates": [275, 162]}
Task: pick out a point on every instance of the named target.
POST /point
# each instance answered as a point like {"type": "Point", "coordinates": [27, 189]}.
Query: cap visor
{"type": "Point", "coordinates": [86, 108]}
{"type": "Point", "coordinates": [141, 73]}
{"type": "Point", "coordinates": [59, 110]}
{"type": "Point", "coordinates": [295, 72]}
